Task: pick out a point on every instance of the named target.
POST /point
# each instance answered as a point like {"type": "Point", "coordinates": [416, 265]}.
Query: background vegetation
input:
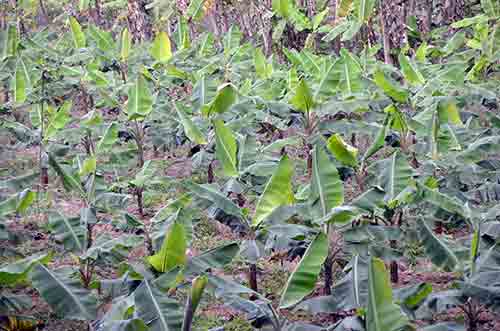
{"type": "Point", "coordinates": [239, 165]}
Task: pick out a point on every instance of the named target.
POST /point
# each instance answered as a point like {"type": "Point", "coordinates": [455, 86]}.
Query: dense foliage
{"type": "Point", "coordinates": [163, 158]}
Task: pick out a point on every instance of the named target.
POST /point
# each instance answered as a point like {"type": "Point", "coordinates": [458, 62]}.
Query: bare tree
{"type": "Point", "coordinates": [393, 24]}
{"type": "Point", "coordinates": [139, 22]}
{"type": "Point", "coordinates": [453, 10]}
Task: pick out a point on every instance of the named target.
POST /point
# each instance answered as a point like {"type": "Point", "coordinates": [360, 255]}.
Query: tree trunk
{"type": "Point", "coordinates": [43, 17]}
{"type": "Point", "coordinates": [453, 10]}
{"type": "Point", "coordinates": [96, 13]}
{"type": "Point", "coordinates": [139, 22]}
{"type": "Point", "coordinates": [252, 278]}
{"type": "Point", "coordinates": [328, 268]}
{"type": "Point", "coordinates": [393, 23]}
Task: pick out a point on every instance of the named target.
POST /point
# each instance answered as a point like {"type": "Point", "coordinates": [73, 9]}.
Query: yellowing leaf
{"type": "Point", "coordinates": [342, 151]}
{"type": "Point", "coordinates": [448, 113]}
{"type": "Point", "coordinates": [77, 33]}
{"type": "Point", "coordinates": [126, 43]}
{"type": "Point", "coordinates": [161, 50]}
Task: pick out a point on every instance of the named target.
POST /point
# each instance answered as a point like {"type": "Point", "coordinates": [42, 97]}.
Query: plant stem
{"type": "Point", "coordinates": [138, 137]}
{"type": "Point", "coordinates": [139, 192]}
{"type": "Point", "coordinates": [252, 278]}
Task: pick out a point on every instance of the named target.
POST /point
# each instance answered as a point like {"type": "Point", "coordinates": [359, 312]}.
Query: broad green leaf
{"type": "Point", "coordinates": [443, 201]}
{"type": "Point", "coordinates": [395, 174]}
{"type": "Point", "coordinates": [140, 101]}
{"type": "Point", "coordinates": [480, 149]}
{"type": "Point", "coordinates": [103, 39]}
{"type": "Point", "coordinates": [17, 271]}
{"type": "Point", "coordinates": [210, 193]}
{"type": "Point", "coordinates": [282, 7]}
{"type": "Point", "coordinates": [67, 298]}
{"type": "Point", "coordinates": [370, 200]}
{"type": "Point", "coordinates": [398, 94]}
{"type": "Point", "coordinates": [350, 73]}
{"type": "Point", "coordinates": [204, 91]}
{"type": "Point", "coordinates": [91, 119]}
{"type": "Point", "coordinates": [26, 198]}
{"type": "Point", "coordinates": [83, 5]}
{"type": "Point", "coordinates": [247, 152]}
{"type": "Point", "coordinates": [197, 287]}
{"type": "Point", "coordinates": [278, 30]}
{"type": "Point", "coordinates": [479, 67]}
{"type": "Point", "coordinates": [190, 129]}
{"type": "Point", "coordinates": [263, 69]}
{"type": "Point", "coordinates": [439, 253]}
{"type": "Point", "coordinates": [17, 203]}
{"type": "Point", "coordinates": [70, 183]}
{"type": "Point", "coordinates": [158, 310]}
{"type": "Point", "coordinates": [183, 38]}
{"type": "Point", "coordinates": [421, 52]}
{"type": "Point", "coordinates": [434, 136]}
{"type": "Point", "coordinates": [303, 278]}
{"type": "Point", "coordinates": [337, 30]}
{"type": "Point", "coordinates": [278, 144]}
{"type": "Point", "coordinates": [195, 11]}
{"type": "Point", "coordinates": [69, 231]}
{"type": "Point", "coordinates": [76, 31]}
{"type": "Point", "coordinates": [173, 250]}
{"type": "Point", "coordinates": [319, 17]}
{"type": "Point", "coordinates": [351, 31]}
{"type": "Point", "coordinates": [215, 258]}
{"type": "Point", "coordinates": [231, 41]}
{"type": "Point", "coordinates": [224, 99]}
{"type": "Point", "coordinates": [226, 148]}
{"type": "Point", "coordinates": [161, 50]}
{"type": "Point", "coordinates": [382, 313]}
{"type": "Point", "coordinates": [397, 119]}
{"type": "Point", "coordinates": [342, 151]}
{"type": "Point", "coordinates": [454, 43]}
{"type": "Point", "coordinates": [292, 79]}
{"type": "Point", "coordinates": [326, 187]}
{"type": "Point", "coordinates": [109, 138]}
{"type": "Point", "coordinates": [22, 81]}
{"type": "Point", "coordinates": [58, 120]}
{"type": "Point", "coordinates": [88, 167]}
{"type": "Point", "coordinates": [410, 72]}
{"type": "Point", "coordinates": [303, 99]}
{"type": "Point", "coordinates": [145, 174]}
{"type": "Point", "coordinates": [126, 43]}
{"type": "Point", "coordinates": [277, 192]}
{"type": "Point", "coordinates": [364, 9]}
{"type": "Point", "coordinates": [97, 76]}
{"type": "Point", "coordinates": [466, 22]}
{"type": "Point", "coordinates": [10, 42]}
{"type": "Point", "coordinates": [115, 248]}
{"type": "Point", "coordinates": [491, 8]}
{"type": "Point", "coordinates": [171, 208]}
{"type": "Point", "coordinates": [135, 324]}
{"type": "Point", "coordinates": [206, 45]}
{"type": "Point", "coordinates": [379, 141]}
{"type": "Point", "coordinates": [20, 182]}
{"type": "Point", "coordinates": [300, 21]}
{"type": "Point", "coordinates": [416, 295]}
